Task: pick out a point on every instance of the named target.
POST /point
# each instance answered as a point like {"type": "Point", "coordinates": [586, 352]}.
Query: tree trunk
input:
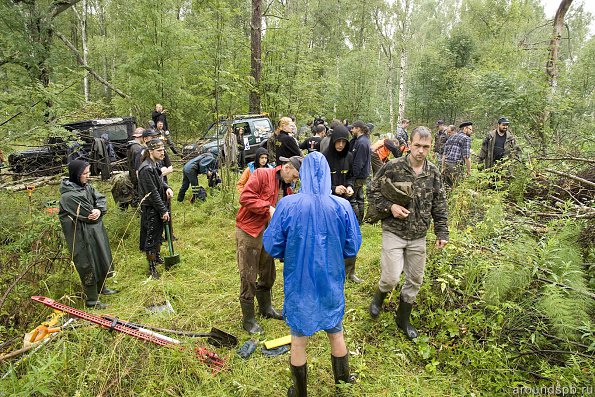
{"type": "Point", "coordinates": [404, 65]}
{"type": "Point", "coordinates": [41, 33]}
{"type": "Point", "coordinates": [80, 61]}
{"type": "Point", "coordinates": [255, 56]}
{"type": "Point", "coordinates": [391, 96]}
{"type": "Point", "coordinates": [551, 69]}
{"type": "Point", "coordinates": [402, 73]}
{"type": "Point", "coordinates": [82, 17]}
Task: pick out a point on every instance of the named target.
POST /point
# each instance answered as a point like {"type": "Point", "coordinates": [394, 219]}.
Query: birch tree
{"type": "Point", "coordinates": [551, 67]}
{"type": "Point", "coordinates": [404, 11]}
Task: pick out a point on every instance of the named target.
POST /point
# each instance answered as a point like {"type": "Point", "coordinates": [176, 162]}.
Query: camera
{"type": "Point", "coordinates": [318, 120]}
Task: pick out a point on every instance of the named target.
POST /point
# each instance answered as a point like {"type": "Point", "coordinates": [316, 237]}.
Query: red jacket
{"type": "Point", "coordinates": [259, 194]}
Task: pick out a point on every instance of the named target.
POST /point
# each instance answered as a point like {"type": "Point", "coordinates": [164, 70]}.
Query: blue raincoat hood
{"type": "Point", "coordinates": [313, 232]}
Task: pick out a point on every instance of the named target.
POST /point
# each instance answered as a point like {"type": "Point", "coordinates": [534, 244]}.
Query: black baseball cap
{"type": "Point", "coordinates": [150, 132]}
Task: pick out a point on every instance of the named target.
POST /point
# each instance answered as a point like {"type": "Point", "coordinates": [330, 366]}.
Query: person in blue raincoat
{"type": "Point", "coordinates": [313, 232]}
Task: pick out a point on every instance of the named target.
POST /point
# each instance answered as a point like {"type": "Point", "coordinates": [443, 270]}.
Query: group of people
{"type": "Point", "coordinates": [316, 233]}
{"type": "Point", "coordinates": [453, 149]}
{"type": "Point", "coordinates": [82, 208]}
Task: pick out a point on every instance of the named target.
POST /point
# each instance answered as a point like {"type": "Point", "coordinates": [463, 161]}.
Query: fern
{"type": "Point", "coordinates": [512, 277]}
{"type": "Point", "coordinates": [567, 309]}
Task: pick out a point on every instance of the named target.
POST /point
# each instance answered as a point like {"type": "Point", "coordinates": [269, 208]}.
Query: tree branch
{"type": "Point", "coordinates": [58, 7]}
{"type": "Point", "coordinates": [573, 177]}
{"type": "Point", "coordinates": [87, 67]}
{"type": "Point", "coordinates": [581, 159]}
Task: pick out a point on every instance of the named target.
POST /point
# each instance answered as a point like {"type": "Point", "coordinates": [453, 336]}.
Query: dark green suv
{"type": "Point", "coordinates": [257, 129]}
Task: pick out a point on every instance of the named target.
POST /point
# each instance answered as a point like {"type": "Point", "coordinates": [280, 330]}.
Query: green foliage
{"type": "Point", "coordinates": [476, 291]}
{"type": "Point", "coordinates": [510, 278]}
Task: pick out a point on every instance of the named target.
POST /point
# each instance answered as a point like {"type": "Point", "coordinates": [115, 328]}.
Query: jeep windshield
{"type": "Point", "coordinates": [211, 133]}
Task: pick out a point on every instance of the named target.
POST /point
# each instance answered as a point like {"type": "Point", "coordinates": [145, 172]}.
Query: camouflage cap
{"type": "Point", "coordinates": [295, 161]}
{"type": "Point", "coordinates": [155, 144]}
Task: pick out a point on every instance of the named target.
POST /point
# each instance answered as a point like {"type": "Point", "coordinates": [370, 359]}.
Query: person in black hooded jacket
{"type": "Point", "coordinates": [340, 161]}
{"type": "Point", "coordinates": [81, 212]}
{"type": "Point", "coordinates": [154, 194]}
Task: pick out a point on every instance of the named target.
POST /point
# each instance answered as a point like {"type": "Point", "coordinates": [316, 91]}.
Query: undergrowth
{"type": "Point", "coordinates": [494, 312]}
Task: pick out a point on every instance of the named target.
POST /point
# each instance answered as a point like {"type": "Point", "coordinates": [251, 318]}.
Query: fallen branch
{"type": "Point", "coordinates": [47, 180]}
{"type": "Point", "coordinates": [545, 280]}
{"type": "Point", "coordinates": [573, 177]}
{"type": "Point", "coordinates": [81, 62]}
{"type": "Point", "coordinates": [552, 351]}
{"type": "Point", "coordinates": [580, 159]}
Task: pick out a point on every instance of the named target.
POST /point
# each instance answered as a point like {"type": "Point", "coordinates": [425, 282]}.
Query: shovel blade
{"type": "Point", "coordinates": [170, 261]}
{"type": "Point", "coordinates": [220, 338]}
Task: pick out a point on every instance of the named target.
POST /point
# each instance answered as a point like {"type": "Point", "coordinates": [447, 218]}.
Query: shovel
{"type": "Point", "coordinates": [216, 337]}
{"type": "Point", "coordinates": [172, 259]}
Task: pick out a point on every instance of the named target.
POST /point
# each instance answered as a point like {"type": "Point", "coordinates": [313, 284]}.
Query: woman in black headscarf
{"type": "Point", "coordinates": [81, 210]}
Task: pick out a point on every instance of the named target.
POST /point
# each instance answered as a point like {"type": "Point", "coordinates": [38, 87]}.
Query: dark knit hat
{"type": "Point", "coordinates": [150, 132]}
{"type": "Point", "coordinates": [465, 124]}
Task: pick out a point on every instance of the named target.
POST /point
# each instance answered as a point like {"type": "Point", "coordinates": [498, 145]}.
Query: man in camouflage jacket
{"type": "Point", "coordinates": [404, 230]}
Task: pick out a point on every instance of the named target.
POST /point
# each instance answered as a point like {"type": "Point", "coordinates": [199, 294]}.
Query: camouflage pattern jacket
{"type": "Point", "coordinates": [428, 201]}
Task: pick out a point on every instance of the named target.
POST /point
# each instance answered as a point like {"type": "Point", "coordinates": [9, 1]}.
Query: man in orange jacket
{"type": "Point", "coordinates": [257, 268]}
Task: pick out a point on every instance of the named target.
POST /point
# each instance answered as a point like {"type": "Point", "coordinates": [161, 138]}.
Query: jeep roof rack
{"type": "Point", "coordinates": [86, 124]}
{"type": "Point", "coordinates": [248, 116]}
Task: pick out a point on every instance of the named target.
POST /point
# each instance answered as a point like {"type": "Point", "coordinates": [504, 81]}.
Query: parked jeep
{"type": "Point", "coordinates": [102, 142]}
{"type": "Point", "coordinates": [257, 129]}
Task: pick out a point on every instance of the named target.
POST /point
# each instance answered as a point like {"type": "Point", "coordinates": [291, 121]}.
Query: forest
{"type": "Point", "coordinates": [506, 308]}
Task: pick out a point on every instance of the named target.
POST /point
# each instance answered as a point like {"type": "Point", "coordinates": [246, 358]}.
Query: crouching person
{"type": "Point", "coordinates": [154, 194]}
{"type": "Point", "coordinates": [404, 228]}
{"type": "Point", "coordinates": [81, 211]}
{"type": "Point", "coordinates": [314, 231]}
{"type": "Point", "coordinates": [205, 164]}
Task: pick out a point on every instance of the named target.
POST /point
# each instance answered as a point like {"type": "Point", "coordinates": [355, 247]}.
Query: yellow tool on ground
{"type": "Point", "coordinates": [44, 329]}
{"type": "Point", "coordinates": [271, 344]}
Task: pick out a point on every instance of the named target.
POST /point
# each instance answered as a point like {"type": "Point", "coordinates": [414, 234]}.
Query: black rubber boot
{"type": "Point", "coordinates": [265, 308]}
{"type": "Point", "coordinates": [350, 271]}
{"type": "Point", "coordinates": [299, 374]}
{"type": "Point", "coordinates": [341, 371]}
{"type": "Point", "coordinates": [376, 304]}
{"type": "Point", "coordinates": [402, 319]}
{"type": "Point", "coordinates": [151, 256]}
{"type": "Point", "coordinates": [158, 259]}
{"type": "Point", "coordinates": [249, 321]}
{"type": "Point", "coordinates": [95, 305]}
{"type": "Point", "coordinates": [91, 296]}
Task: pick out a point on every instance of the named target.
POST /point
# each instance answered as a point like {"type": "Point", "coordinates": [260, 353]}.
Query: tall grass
{"type": "Point", "coordinates": [462, 351]}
